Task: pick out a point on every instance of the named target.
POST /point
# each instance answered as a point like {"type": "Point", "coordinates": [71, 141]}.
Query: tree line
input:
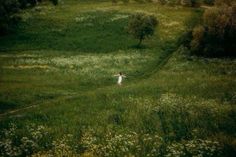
{"type": "Point", "coordinates": [215, 34]}
{"type": "Point", "coordinates": [9, 9]}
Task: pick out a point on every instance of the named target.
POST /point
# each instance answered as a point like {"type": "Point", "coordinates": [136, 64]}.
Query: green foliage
{"type": "Point", "coordinates": [9, 10]}
{"type": "Point", "coordinates": [198, 35]}
{"type": "Point", "coordinates": [13, 144]}
{"type": "Point", "coordinates": [8, 16]}
{"type": "Point", "coordinates": [215, 35]}
{"type": "Point", "coordinates": [195, 19]}
{"type": "Point", "coordinates": [142, 26]}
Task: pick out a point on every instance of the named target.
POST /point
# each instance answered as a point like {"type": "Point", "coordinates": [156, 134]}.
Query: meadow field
{"type": "Point", "coordinates": [58, 95]}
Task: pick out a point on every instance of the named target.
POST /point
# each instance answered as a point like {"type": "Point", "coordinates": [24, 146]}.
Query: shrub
{"type": "Point", "coordinates": [35, 138]}
{"type": "Point", "coordinates": [8, 16]}
{"type": "Point", "coordinates": [216, 35]}
{"type": "Point", "coordinates": [198, 35]}
{"type": "Point", "coordinates": [142, 26]}
{"type": "Point", "coordinates": [8, 13]}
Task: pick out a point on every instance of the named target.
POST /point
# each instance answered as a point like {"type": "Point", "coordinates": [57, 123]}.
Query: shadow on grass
{"type": "Point", "coordinates": [97, 32]}
{"type": "Point", "coordinates": [7, 105]}
{"type": "Point", "coordinates": [140, 47]}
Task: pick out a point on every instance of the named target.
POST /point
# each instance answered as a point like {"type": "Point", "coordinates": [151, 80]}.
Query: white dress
{"type": "Point", "coordinates": [119, 79]}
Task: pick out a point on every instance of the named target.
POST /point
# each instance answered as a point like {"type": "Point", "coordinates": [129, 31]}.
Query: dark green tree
{"type": "Point", "coordinates": [8, 16]}
{"type": "Point", "coordinates": [216, 36]}
{"type": "Point", "coordinates": [9, 9]}
{"type": "Point", "coordinates": [141, 26]}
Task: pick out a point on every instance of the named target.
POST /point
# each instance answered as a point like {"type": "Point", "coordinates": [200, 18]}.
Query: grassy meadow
{"type": "Point", "coordinates": [58, 95]}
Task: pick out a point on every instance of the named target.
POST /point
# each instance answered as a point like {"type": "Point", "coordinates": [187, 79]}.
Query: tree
{"type": "Point", "coordinates": [8, 16]}
{"type": "Point", "coordinates": [141, 26]}
{"type": "Point", "coordinates": [197, 41]}
{"type": "Point", "coordinates": [217, 35]}
{"type": "Point", "coordinates": [9, 9]}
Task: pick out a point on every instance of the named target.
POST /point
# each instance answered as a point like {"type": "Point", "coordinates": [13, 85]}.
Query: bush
{"type": "Point", "coordinates": [13, 144]}
{"type": "Point", "coordinates": [8, 16]}
{"type": "Point", "coordinates": [198, 36]}
{"type": "Point", "coordinates": [142, 26]}
{"type": "Point", "coordinates": [216, 36]}
{"type": "Point", "coordinates": [8, 13]}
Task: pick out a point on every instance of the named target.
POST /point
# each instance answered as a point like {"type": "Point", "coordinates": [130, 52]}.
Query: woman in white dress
{"type": "Point", "coordinates": [120, 78]}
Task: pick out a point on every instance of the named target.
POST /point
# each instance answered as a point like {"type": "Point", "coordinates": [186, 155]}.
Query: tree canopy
{"type": "Point", "coordinates": [141, 26]}
{"type": "Point", "coordinates": [9, 9]}
{"type": "Point", "coordinates": [216, 35]}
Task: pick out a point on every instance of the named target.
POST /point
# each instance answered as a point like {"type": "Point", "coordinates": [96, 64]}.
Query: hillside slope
{"type": "Point", "coordinates": [57, 83]}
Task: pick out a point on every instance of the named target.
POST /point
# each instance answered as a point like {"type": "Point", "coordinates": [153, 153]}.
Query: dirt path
{"type": "Point", "coordinates": [14, 112]}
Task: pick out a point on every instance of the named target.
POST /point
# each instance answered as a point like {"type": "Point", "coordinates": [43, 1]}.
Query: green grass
{"type": "Point", "coordinates": [62, 60]}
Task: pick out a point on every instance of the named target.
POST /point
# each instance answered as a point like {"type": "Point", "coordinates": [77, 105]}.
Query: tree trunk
{"type": "Point", "coordinates": [140, 42]}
